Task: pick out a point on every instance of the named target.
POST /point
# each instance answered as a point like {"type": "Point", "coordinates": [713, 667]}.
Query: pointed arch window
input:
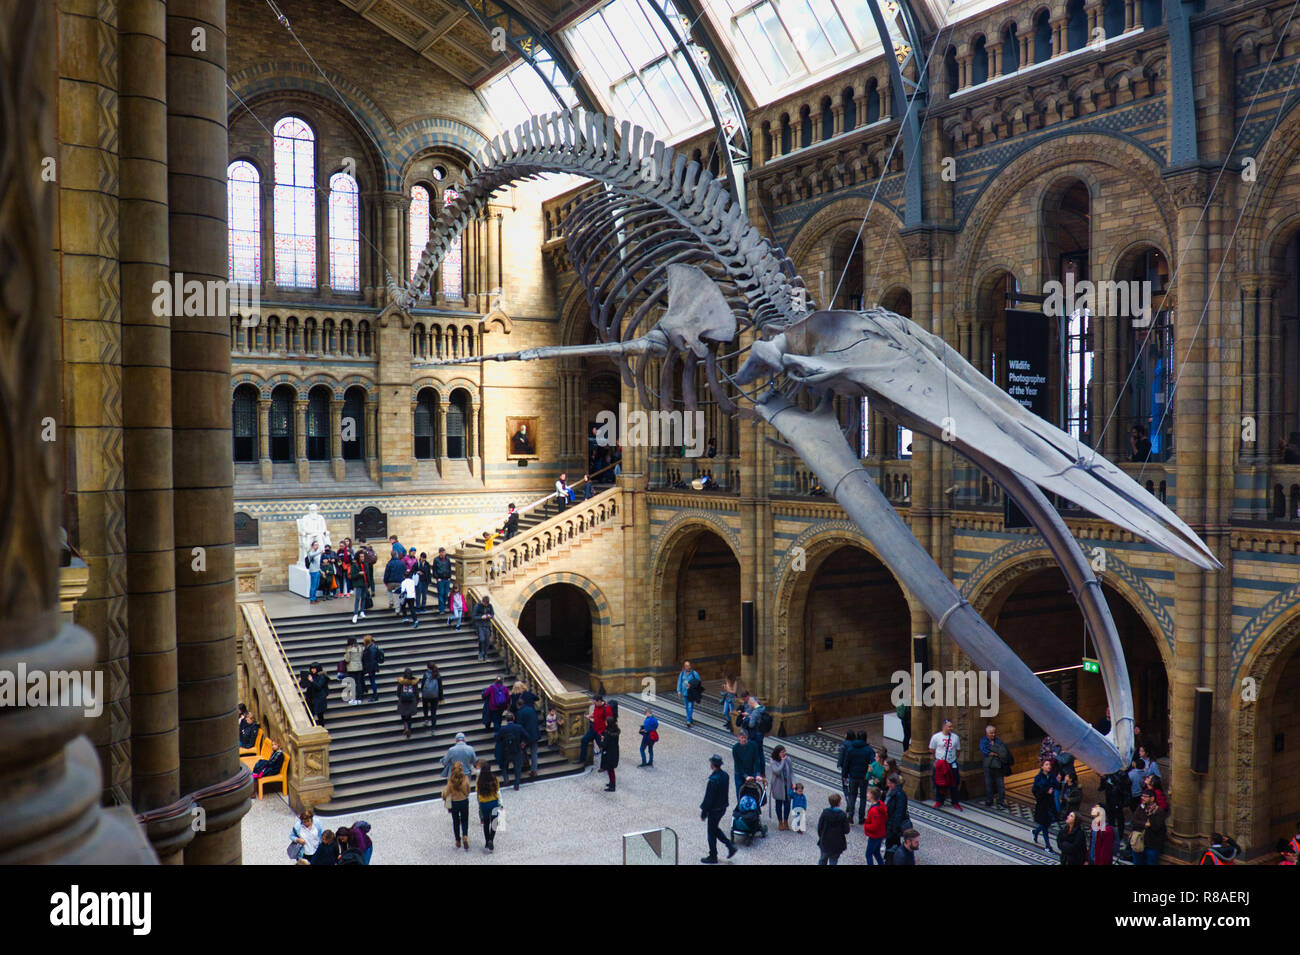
{"type": "Point", "coordinates": [244, 218]}
{"type": "Point", "coordinates": [345, 234]}
{"type": "Point", "coordinates": [452, 262]}
{"type": "Point", "coordinates": [295, 204]}
{"type": "Point", "coordinates": [418, 227]}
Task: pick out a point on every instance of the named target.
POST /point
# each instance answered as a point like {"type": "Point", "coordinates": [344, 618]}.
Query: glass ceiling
{"type": "Point", "coordinates": [774, 48]}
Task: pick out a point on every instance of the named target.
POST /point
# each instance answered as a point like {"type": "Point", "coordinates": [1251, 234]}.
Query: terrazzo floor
{"type": "Point", "coordinates": [573, 821]}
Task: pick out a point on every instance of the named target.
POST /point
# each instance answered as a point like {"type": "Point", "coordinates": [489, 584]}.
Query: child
{"type": "Point", "coordinates": [649, 736]}
{"type": "Point", "coordinates": [874, 827]}
{"type": "Point", "coordinates": [798, 809]}
{"type": "Point", "coordinates": [457, 606]}
{"type": "Point", "coordinates": [552, 727]}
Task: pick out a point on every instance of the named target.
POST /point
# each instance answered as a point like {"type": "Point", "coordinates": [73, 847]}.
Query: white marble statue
{"type": "Point", "coordinates": [311, 527]}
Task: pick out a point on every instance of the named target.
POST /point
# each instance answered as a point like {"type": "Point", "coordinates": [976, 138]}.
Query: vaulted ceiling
{"type": "Point", "coordinates": [446, 33]}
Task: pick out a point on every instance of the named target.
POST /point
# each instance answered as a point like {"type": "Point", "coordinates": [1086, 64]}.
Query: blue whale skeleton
{"type": "Point", "coordinates": [661, 240]}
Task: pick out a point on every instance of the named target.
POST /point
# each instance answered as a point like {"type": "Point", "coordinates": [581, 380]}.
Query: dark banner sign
{"type": "Point", "coordinates": [1029, 357]}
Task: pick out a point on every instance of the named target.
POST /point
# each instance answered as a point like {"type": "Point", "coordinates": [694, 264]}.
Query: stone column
{"type": "Point", "coordinates": [1026, 41]}
{"type": "Point", "coordinates": [1270, 370]}
{"type": "Point", "coordinates": [50, 780]}
{"type": "Point", "coordinates": [203, 476]}
{"type": "Point", "coordinates": [147, 413]}
{"type": "Point", "coordinates": [474, 440]}
{"type": "Point", "coordinates": [1058, 36]}
{"type": "Point", "coordinates": [89, 227]}
{"type": "Point", "coordinates": [264, 438]}
{"type": "Point", "coordinates": [336, 437]}
{"type": "Point", "coordinates": [1130, 13]}
{"type": "Point", "coordinates": [395, 261]}
{"type": "Point", "coordinates": [994, 53]}
{"type": "Point", "coordinates": [1252, 299]}
{"type": "Point", "coordinates": [300, 439]}
{"type": "Point", "coordinates": [372, 426]}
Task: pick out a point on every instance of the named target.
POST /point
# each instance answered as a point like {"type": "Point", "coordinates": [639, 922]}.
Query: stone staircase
{"type": "Point", "coordinates": [371, 764]}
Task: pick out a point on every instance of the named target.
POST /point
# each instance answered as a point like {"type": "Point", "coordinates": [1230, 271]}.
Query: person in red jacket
{"type": "Point", "coordinates": [874, 827]}
{"type": "Point", "coordinates": [600, 714]}
{"type": "Point", "coordinates": [1102, 850]}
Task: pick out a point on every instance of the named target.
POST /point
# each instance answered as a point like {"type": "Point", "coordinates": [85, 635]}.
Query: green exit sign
{"type": "Point", "coordinates": [1091, 666]}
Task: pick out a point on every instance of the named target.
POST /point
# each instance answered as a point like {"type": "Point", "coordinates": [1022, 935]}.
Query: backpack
{"type": "Point", "coordinates": [429, 687]}
{"type": "Point", "coordinates": [764, 722]}
{"type": "Point", "coordinates": [379, 654]}
{"type": "Point", "coordinates": [499, 696]}
{"type": "Point", "coordinates": [695, 690]}
{"type": "Point", "coordinates": [406, 692]}
{"type": "Point", "coordinates": [613, 707]}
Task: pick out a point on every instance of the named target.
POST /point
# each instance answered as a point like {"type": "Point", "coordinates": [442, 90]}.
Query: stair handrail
{"type": "Point", "coordinates": [488, 531]}
{"type": "Point", "coordinates": [523, 661]}
{"type": "Point", "coordinates": [278, 704]}
{"type": "Point", "coordinates": [480, 566]}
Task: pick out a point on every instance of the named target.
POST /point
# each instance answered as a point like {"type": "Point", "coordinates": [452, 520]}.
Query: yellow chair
{"type": "Point", "coordinates": [263, 752]}
{"type": "Point", "coordinates": [282, 777]}
{"type": "Point", "coordinates": [257, 745]}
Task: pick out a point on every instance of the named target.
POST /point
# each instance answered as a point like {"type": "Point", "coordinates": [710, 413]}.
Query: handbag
{"type": "Point", "coordinates": [654, 736]}
{"type": "Point", "coordinates": [1137, 840]}
{"type": "Point", "coordinates": [295, 850]}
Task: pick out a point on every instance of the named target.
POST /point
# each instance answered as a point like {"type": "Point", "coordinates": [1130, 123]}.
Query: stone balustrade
{"type": "Point", "coordinates": [274, 697]}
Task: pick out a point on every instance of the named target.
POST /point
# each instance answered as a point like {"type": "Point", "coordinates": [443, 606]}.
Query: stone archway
{"type": "Point", "coordinates": [680, 588]}
{"type": "Point", "coordinates": [815, 682]}
{"type": "Point", "coordinates": [1017, 595]}
{"type": "Point", "coordinates": [1253, 723]}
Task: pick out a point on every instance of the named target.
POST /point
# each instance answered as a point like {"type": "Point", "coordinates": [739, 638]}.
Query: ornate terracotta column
{"type": "Point", "coordinates": [203, 474]}
{"type": "Point", "coordinates": [50, 781]}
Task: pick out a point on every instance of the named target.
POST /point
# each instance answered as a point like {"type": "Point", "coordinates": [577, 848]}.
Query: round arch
{"type": "Point", "coordinates": [598, 614]}
{"type": "Point", "coordinates": [668, 555]}
{"type": "Point", "coordinates": [795, 577]}
{"type": "Point", "coordinates": [1263, 218]}
{"type": "Point", "coordinates": [1251, 728]}
{"type": "Point", "coordinates": [1068, 155]}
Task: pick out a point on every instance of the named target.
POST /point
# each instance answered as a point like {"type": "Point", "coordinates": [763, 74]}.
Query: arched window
{"type": "Point", "coordinates": [311, 342]}
{"type": "Point", "coordinates": [273, 340]}
{"type": "Point", "coordinates": [850, 110]}
{"type": "Point", "coordinates": [1076, 26]}
{"type": "Point", "coordinates": [347, 343]}
{"type": "Point", "coordinates": [805, 128]}
{"type": "Point", "coordinates": [318, 424]}
{"type": "Point", "coordinates": [785, 134]}
{"type": "Point", "coordinates": [280, 427]}
{"type": "Point", "coordinates": [1043, 37]}
{"type": "Point", "coordinates": [363, 339]}
{"type": "Point", "coordinates": [345, 234]}
{"type": "Point", "coordinates": [354, 424]}
{"type": "Point", "coordinates": [437, 342]}
{"type": "Point", "coordinates": [243, 418]}
{"type": "Point", "coordinates": [327, 337]}
{"type": "Point", "coordinates": [979, 63]}
{"type": "Point", "coordinates": [417, 220]}
{"type": "Point", "coordinates": [1153, 14]}
{"type": "Point", "coordinates": [951, 71]}
{"type": "Point", "coordinates": [1113, 18]}
{"type": "Point", "coordinates": [419, 341]}
{"type": "Point", "coordinates": [1011, 49]}
{"type": "Point", "coordinates": [291, 341]}
{"type": "Point", "coordinates": [828, 118]}
{"type": "Point", "coordinates": [426, 422]}
{"type": "Point", "coordinates": [458, 431]}
{"type": "Point", "coordinates": [452, 264]}
{"type": "Point", "coordinates": [295, 204]}
{"type": "Point", "coordinates": [244, 218]}
{"type": "Point", "coordinates": [873, 102]}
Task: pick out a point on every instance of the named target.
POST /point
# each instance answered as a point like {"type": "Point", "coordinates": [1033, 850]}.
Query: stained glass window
{"type": "Point", "coordinates": [244, 215]}
{"type": "Point", "coordinates": [452, 286]}
{"type": "Point", "coordinates": [345, 234]}
{"type": "Point", "coordinates": [418, 227]}
{"type": "Point", "coordinates": [295, 204]}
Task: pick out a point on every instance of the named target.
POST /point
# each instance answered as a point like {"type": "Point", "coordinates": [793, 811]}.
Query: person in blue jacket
{"type": "Point", "coordinates": [712, 809]}
{"type": "Point", "coordinates": [690, 689]}
{"type": "Point", "coordinates": [649, 736]}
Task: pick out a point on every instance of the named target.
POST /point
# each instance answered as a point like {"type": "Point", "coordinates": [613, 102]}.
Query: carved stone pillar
{"type": "Point", "coordinates": [1058, 36]}
{"type": "Point", "coordinates": [50, 779]}
{"type": "Point", "coordinates": [1130, 14]}
{"type": "Point", "coordinates": [336, 437]}
{"type": "Point", "coordinates": [147, 414]}
{"type": "Point", "coordinates": [203, 476]}
{"type": "Point", "coordinates": [474, 440]}
{"type": "Point", "coordinates": [1270, 369]}
{"type": "Point", "coordinates": [264, 438]}
{"type": "Point", "coordinates": [440, 438]}
{"type": "Point", "coordinates": [372, 425]}
{"type": "Point", "coordinates": [300, 439]}
{"type": "Point", "coordinates": [395, 262]}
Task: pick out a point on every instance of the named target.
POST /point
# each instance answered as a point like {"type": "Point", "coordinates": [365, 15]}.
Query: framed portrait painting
{"type": "Point", "coordinates": [522, 438]}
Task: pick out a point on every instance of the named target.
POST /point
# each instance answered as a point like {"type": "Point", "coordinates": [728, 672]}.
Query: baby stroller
{"type": "Point", "coordinates": [747, 817]}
